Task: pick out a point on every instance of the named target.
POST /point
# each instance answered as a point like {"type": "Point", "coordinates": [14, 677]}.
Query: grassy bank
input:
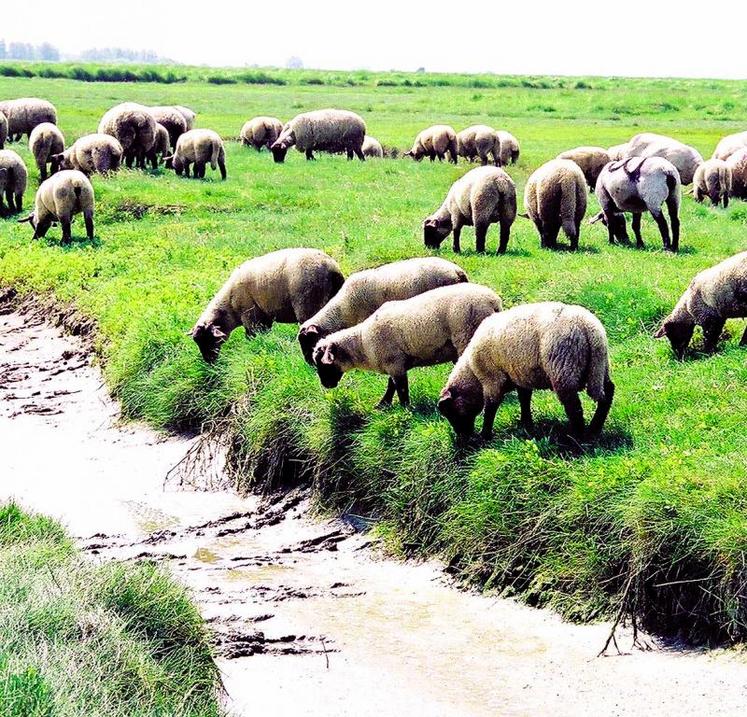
{"type": "Point", "coordinates": [658, 503]}
{"type": "Point", "coordinates": [79, 640]}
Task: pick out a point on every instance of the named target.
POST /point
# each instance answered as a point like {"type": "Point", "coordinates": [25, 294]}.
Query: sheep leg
{"type": "Point", "coordinates": [19, 201]}
{"type": "Point", "coordinates": [350, 154]}
{"type": "Point", "coordinates": [254, 320]}
{"type": "Point", "coordinates": [457, 234]}
{"type": "Point", "coordinates": [505, 234]}
{"type": "Point", "coordinates": [637, 230]}
{"type": "Point", "coordinates": [42, 171]}
{"type": "Point", "coordinates": [574, 410]}
{"type": "Point", "coordinates": [619, 228]}
{"type": "Point", "coordinates": [525, 401]}
{"type": "Point", "coordinates": [603, 407]}
{"type": "Point", "coordinates": [551, 235]}
{"type": "Point", "coordinates": [67, 235]}
{"type": "Point", "coordinates": [88, 217]}
{"type": "Point", "coordinates": [386, 399]}
{"type": "Point", "coordinates": [222, 168]}
{"type": "Point", "coordinates": [711, 334]}
{"type": "Point", "coordinates": [661, 222]}
{"type": "Point", "coordinates": [674, 219]}
{"type": "Point", "coordinates": [360, 155]}
{"type": "Point", "coordinates": [743, 341]}
{"type": "Point", "coordinates": [481, 233]}
{"type": "Point", "coordinates": [403, 389]}
{"type": "Point", "coordinates": [493, 399]}
{"type": "Point", "coordinates": [9, 200]}
{"type": "Point", "coordinates": [310, 155]}
{"type": "Point", "coordinates": [725, 199]}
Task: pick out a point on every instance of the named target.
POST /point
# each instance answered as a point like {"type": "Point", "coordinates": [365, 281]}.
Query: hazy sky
{"type": "Point", "coordinates": [633, 37]}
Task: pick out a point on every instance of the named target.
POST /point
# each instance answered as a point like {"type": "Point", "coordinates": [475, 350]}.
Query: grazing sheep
{"type": "Point", "coordinates": [133, 126]}
{"type": "Point", "coordinates": [198, 147]}
{"type": "Point", "coordinates": [25, 113]}
{"type": "Point", "coordinates": [428, 329]}
{"type": "Point", "coordinates": [59, 199]}
{"type": "Point", "coordinates": [366, 291]}
{"type": "Point", "coordinates": [618, 152]}
{"type": "Point", "coordinates": [45, 140]}
{"type": "Point", "coordinates": [729, 145]}
{"type": "Point", "coordinates": [483, 196]}
{"type": "Point", "coordinates": [534, 346]}
{"type": "Point", "coordinates": [3, 130]}
{"type": "Point", "coordinates": [713, 179]}
{"type": "Point", "coordinates": [13, 179]}
{"type": "Point", "coordinates": [737, 163]}
{"type": "Point", "coordinates": [188, 114]}
{"type": "Point", "coordinates": [682, 156]}
{"type": "Point", "coordinates": [261, 132]}
{"type": "Point", "coordinates": [435, 142]}
{"type": "Point", "coordinates": [555, 197]}
{"type": "Point", "coordinates": [172, 119]}
{"type": "Point", "coordinates": [714, 295]}
{"type": "Point", "coordinates": [286, 286]}
{"type": "Point", "coordinates": [161, 147]}
{"type": "Point", "coordinates": [92, 153]}
{"type": "Point", "coordinates": [637, 185]}
{"type": "Point", "coordinates": [509, 148]}
{"type": "Point", "coordinates": [590, 160]}
{"type": "Point", "coordinates": [372, 147]}
{"type": "Point", "coordinates": [327, 130]}
{"type": "Point", "coordinates": [479, 141]}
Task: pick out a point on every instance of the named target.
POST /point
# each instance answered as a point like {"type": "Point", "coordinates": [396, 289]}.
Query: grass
{"type": "Point", "coordinates": [660, 500]}
{"type": "Point", "coordinates": [78, 639]}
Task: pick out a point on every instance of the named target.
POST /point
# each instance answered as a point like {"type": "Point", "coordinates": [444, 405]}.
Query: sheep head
{"type": "Point", "coordinates": [280, 146]}
{"type": "Point", "coordinates": [309, 336]}
{"type": "Point", "coordinates": [209, 338]}
{"type": "Point", "coordinates": [460, 406]}
{"type": "Point", "coordinates": [435, 230]}
{"type": "Point", "coordinates": [329, 359]}
{"type": "Point", "coordinates": [679, 330]}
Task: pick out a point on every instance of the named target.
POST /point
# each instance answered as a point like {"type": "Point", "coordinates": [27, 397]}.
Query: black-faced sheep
{"type": "Point", "coordinates": [261, 132]}
{"type": "Point", "coordinates": [13, 180]}
{"type": "Point", "coordinates": [45, 140]}
{"type": "Point", "coordinates": [287, 286]}
{"type": "Point", "coordinates": [25, 113]}
{"type": "Point", "coordinates": [729, 145]}
{"type": "Point", "coordinates": [133, 126]}
{"type": "Point", "coordinates": [173, 120]}
{"type": "Point", "coordinates": [434, 142]}
{"type": "Point", "coordinates": [509, 148]}
{"type": "Point", "coordinates": [534, 346]}
{"type": "Point", "coordinates": [161, 148]}
{"type": "Point", "coordinates": [198, 147]}
{"type": "Point", "coordinates": [737, 163]}
{"type": "Point", "coordinates": [483, 196]}
{"type": "Point", "coordinates": [479, 142]}
{"type": "Point", "coordinates": [92, 153]}
{"type": "Point", "coordinates": [713, 180]}
{"type": "Point", "coordinates": [682, 156]}
{"type": "Point", "coordinates": [3, 130]}
{"type": "Point", "coordinates": [590, 160]}
{"type": "Point", "coordinates": [429, 329]}
{"type": "Point", "coordinates": [714, 295]}
{"type": "Point", "coordinates": [372, 147]}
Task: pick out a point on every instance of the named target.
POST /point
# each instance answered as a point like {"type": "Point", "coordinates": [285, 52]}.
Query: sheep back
{"type": "Point", "coordinates": [372, 147]}
{"type": "Point", "coordinates": [737, 163]}
{"type": "Point", "coordinates": [25, 113]}
{"type": "Point", "coordinates": [556, 193]}
{"type": "Point", "coordinates": [132, 125]}
{"type": "Point", "coordinates": [729, 145]}
{"type": "Point", "coordinates": [44, 141]}
{"type": "Point", "coordinates": [172, 119]}
{"type": "Point", "coordinates": [685, 158]}
{"type": "Point", "coordinates": [590, 160]}
{"type": "Point", "coordinates": [63, 195]}
{"type": "Point", "coordinates": [261, 132]}
{"type": "Point", "coordinates": [510, 149]}
{"type": "Point", "coordinates": [3, 130]}
{"type": "Point", "coordinates": [327, 130]}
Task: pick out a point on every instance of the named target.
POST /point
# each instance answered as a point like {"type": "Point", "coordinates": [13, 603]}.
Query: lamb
{"type": "Point", "coordinates": [261, 132]}
{"type": "Point", "coordinates": [25, 113]}
{"type": "Point", "coordinates": [173, 120]}
{"type": "Point", "coordinates": [591, 161]}
{"type": "Point", "coordinates": [3, 130]}
{"type": "Point", "coordinates": [435, 142]}
{"type": "Point", "coordinates": [682, 156]}
{"type": "Point", "coordinates": [188, 114]}
{"type": "Point", "coordinates": [429, 329]}
{"type": "Point", "coordinates": [13, 180]}
{"type": "Point", "coordinates": [161, 147]}
{"type": "Point", "coordinates": [366, 291]}
{"type": "Point", "coordinates": [713, 179]}
{"type": "Point", "coordinates": [59, 199]}
{"type": "Point", "coordinates": [326, 130]}
{"type": "Point", "coordinates": [509, 148]}
{"type": "Point", "coordinates": [287, 286]}
{"type": "Point", "coordinates": [372, 147]}
{"type": "Point", "coordinates": [198, 147]}
{"type": "Point", "coordinates": [133, 126]}
{"type": "Point", "coordinates": [737, 163]}
{"type": "Point", "coordinates": [713, 296]}
{"type": "Point", "coordinates": [636, 185]}
{"type": "Point", "coordinates": [483, 196]}
{"type": "Point", "coordinates": [533, 346]}
{"type": "Point", "coordinates": [618, 152]}
{"type": "Point", "coordinates": [45, 140]}
{"type": "Point", "coordinates": [92, 153]}
{"type": "Point", "coordinates": [555, 197]}
{"type": "Point", "coordinates": [730, 145]}
{"type": "Point", "coordinates": [479, 141]}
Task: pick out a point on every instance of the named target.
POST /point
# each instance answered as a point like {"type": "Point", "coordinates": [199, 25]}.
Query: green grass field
{"type": "Point", "coordinates": [659, 502]}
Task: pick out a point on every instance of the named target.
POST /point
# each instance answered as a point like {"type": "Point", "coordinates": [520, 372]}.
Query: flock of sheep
{"type": "Point", "coordinates": [422, 311]}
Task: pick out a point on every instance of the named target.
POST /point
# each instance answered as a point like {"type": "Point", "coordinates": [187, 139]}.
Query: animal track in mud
{"type": "Point", "coordinates": [232, 643]}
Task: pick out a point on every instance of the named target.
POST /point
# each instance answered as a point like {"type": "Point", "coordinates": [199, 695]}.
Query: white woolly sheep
{"type": "Point", "coordinates": [134, 128]}
{"type": "Point", "coordinates": [618, 152]}
{"type": "Point", "coordinates": [287, 286]}
{"type": "Point", "coordinates": [509, 148]}
{"type": "Point", "coordinates": [161, 148]}
{"type": "Point", "coordinates": [682, 156]}
{"type": "Point", "coordinates": [555, 197]}
{"type": "Point", "coordinates": [92, 153]}
{"type": "Point", "coordinates": [479, 141]}
{"type": "Point", "coordinates": [737, 163]}
{"type": "Point", "coordinates": [25, 113]}
{"type": "Point", "coordinates": [590, 160]}
{"type": "Point", "coordinates": [372, 147]}
{"type": "Point", "coordinates": [3, 130]}
{"type": "Point", "coordinates": [13, 180]}
{"type": "Point", "coordinates": [483, 196]}
{"type": "Point", "coordinates": [428, 329]}
{"type": "Point", "coordinates": [434, 142]}
{"type": "Point", "coordinates": [198, 147]}
{"type": "Point", "coordinates": [366, 291]}
{"type": "Point", "coordinates": [172, 119]}
{"type": "Point", "coordinates": [713, 296]}
{"type": "Point", "coordinates": [712, 179]}
{"type": "Point", "coordinates": [261, 132]}
{"type": "Point", "coordinates": [534, 346]}
{"type": "Point", "coordinates": [637, 185]}
{"type": "Point", "coordinates": [59, 199]}
{"type": "Point", "coordinates": [326, 130]}
{"type": "Point", "coordinates": [729, 145]}
{"type": "Point", "coordinates": [188, 114]}
{"type": "Point", "coordinates": [45, 140]}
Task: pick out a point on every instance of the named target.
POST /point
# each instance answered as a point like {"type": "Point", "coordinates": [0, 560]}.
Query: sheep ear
{"type": "Point", "coordinates": [661, 333]}
{"type": "Point", "coordinates": [312, 329]}
{"type": "Point", "coordinates": [597, 218]}
{"type": "Point", "coordinates": [218, 333]}
{"type": "Point", "coordinates": [328, 358]}
{"type": "Point", "coordinates": [524, 216]}
{"type": "Point", "coordinates": [446, 399]}
{"type": "Point", "coordinates": [29, 219]}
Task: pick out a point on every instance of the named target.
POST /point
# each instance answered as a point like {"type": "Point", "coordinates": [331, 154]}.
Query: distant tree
{"type": "Point", "coordinates": [21, 51]}
{"type": "Point", "coordinates": [420, 70]}
{"type": "Point", "coordinates": [294, 63]}
{"type": "Point", "coordinates": [48, 52]}
{"type": "Point", "coordinates": [3, 51]}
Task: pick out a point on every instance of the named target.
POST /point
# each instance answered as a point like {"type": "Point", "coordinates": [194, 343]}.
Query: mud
{"type": "Point", "coordinates": [307, 617]}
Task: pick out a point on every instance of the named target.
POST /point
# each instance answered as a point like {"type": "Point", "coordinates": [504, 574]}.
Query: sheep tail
{"type": "Point", "coordinates": [77, 190]}
{"type": "Point", "coordinates": [462, 276]}
{"type": "Point", "coordinates": [568, 209]}
{"type": "Point", "coordinates": [215, 155]}
{"type": "Point", "coordinates": [598, 369]}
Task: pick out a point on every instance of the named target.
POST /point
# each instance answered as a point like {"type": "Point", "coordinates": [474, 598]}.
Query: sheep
{"type": "Point", "coordinates": [434, 142]}
{"type": "Point", "coordinates": [25, 113]}
{"type": "Point", "coordinates": [637, 185]}
{"type": "Point", "coordinates": [45, 140]}
{"type": "Point", "coordinates": [59, 199]}
{"type": "Point", "coordinates": [737, 163]}
{"type": "Point", "coordinates": [713, 296]}
{"type": "Point", "coordinates": [188, 114]}
{"type": "Point", "coordinates": [618, 152]}
{"type": "Point", "coordinates": [483, 196]}
{"type": "Point", "coordinates": [162, 146]}
{"type": "Point", "coordinates": [555, 197]}
{"type": "Point", "coordinates": [591, 161]}
{"type": "Point", "coordinates": [366, 291]}
{"type": "Point", "coordinates": [729, 145]}
{"type": "Point", "coordinates": [326, 130]}
{"type": "Point", "coordinates": [92, 153]}
{"type": "Point", "coordinates": [261, 132]}
{"type": "Point", "coordinates": [13, 180]}
{"type": "Point", "coordinates": [134, 128]}
{"type": "Point", "coordinates": [172, 119]}
{"type": "Point", "coordinates": [428, 329]}
{"type": "Point", "coordinates": [198, 147]}
{"type": "Point", "coordinates": [3, 130]}
{"type": "Point", "coordinates": [712, 179]}
{"type": "Point", "coordinates": [533, 346]}
{"type": "Point", "coordinates": [372, 147]}
{"type": "Point", "coordinates": [682, 156]}
{"type": "Point", "coordinates": [287, 286]}
{"type": "Point", "coordinates": [479, 141]}
{"type": "Point", "coordinates": [509, 148]}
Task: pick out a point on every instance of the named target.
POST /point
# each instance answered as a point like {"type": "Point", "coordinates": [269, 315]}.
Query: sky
{"type": "Point", "coordinates": [635, 37]}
